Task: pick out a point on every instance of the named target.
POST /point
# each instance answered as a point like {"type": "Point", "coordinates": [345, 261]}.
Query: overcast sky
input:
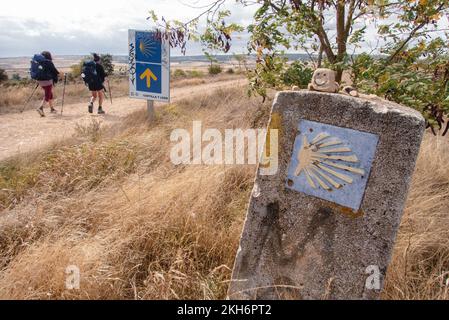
{"type": "Point", "coordinates": [84, 26]}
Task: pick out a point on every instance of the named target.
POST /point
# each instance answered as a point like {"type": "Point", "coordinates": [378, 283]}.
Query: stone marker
{"type": "Point", "coordinates": [324, 226]}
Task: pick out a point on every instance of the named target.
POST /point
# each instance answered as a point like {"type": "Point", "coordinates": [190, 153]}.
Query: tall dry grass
{"type": "Point", "coordinates": [13, 98]}
{"type": "Point", "coordinates": [420, 265]}
{"type": "Point", "coordinates": [111, 203]}
{"type": "Point", "coordinates": [137, 226]}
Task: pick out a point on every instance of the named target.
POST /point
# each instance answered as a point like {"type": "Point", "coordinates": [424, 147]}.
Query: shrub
{"type": "Point", "coordinates": [76, 70]}
{"type": "Point", "coordinates": [25, 81]}
{"type": "Point", "coordinates": [195, 74]}
{"type": "Point", "coordinates": [418, 79]}
{"type": "Point", "coordinates": [230, 71]}
{"type": "Point", "coordinates": [179, 73]}
{"type": "Point", "coordinates": [215, 69]}
{"type": "Point", "coordinates": [106, 61]}
{"type": "Point", "coordinates": [3, 75]}
{"type": "Point", "coordinates": [298, 74]}
{"type": "Point", "coordinates": [70, 77]}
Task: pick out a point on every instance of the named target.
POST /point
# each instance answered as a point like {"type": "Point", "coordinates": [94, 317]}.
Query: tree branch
{"type": "Point", "coordinates": [410, 36]}
{"type": "Point", "coordinates": [341, 35]}
{"type": "Point", "coordinates": [349, 18]}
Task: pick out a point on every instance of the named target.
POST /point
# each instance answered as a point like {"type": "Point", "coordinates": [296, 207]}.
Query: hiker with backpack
{"type": "Point", "coordinates": [45, 73]}
{"type": "Point", "coordinates": [94, 76]}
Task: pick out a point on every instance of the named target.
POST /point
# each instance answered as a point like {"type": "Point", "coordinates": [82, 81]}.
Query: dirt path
{"type": "Point", "coordinates": [24, 132]}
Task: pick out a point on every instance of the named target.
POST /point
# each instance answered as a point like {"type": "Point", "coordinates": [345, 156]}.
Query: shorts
{"type": "Point", "coordinates": [96, 87]}
{"type": "Point", "coordinates": [48, 90]}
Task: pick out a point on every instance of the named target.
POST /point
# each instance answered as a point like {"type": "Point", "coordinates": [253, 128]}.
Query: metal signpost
{"type": "Point", "coordinates": [149, 68]}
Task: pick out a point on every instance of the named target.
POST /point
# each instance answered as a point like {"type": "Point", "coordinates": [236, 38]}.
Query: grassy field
{"type": "Point", "coordinates": [110, 202]}
{"type": "Point", "coordinates": [14, 95]}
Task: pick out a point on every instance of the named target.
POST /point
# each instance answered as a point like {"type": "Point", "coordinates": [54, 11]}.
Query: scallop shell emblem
{"type": "Point", "coordinates": [327, 162]}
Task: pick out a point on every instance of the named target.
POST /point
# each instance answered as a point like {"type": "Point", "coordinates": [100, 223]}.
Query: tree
{"type": "Point", "coordinates": [334, 27]}
{"type": "Point", "coordinates": [331, 32]}
{"type": "Point", "coordinates": [3, 75]}
{"type": "Point", "coordinates": [106, 61]}
{"type": "Point", "coordinates": [212, 59]}
{"type": "Point", "coordinates": [418, 78]}
{"type": "Point", "coordinates": [241, 60]}
{"type": "Point", "coordinates": [214, 66]}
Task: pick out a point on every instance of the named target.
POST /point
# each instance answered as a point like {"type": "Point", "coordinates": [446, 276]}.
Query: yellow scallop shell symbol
{"type": "Point", "coordinates": [326, 161]}
{"type": "Point", "coordinates": [147, 47]}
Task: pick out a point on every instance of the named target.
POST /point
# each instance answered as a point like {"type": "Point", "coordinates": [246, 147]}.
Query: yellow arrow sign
{"type": "Point", "coordinates": [149, 75]}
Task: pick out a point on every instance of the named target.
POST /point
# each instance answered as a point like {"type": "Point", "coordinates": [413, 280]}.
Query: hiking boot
{"type": "Point", "coordinates": [90, 108]}
{"type": "Point", "coordinates": [100, 110]}
{"type": "Point", "coordinates": [53, 110]}
{"type": "Point", "coordinates": [41, 111]}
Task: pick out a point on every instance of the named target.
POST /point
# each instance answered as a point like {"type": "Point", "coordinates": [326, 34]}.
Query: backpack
{"type": "Point", "coordinates": [39, 68]}
{"type": "Point", "coordinates": [89, 72]}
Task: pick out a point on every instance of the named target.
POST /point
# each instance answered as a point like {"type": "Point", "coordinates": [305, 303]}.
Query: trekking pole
{"type": "Point", "coordinates": [63, 92]}
{"type": "Point", "coordinates": [29, 99]}
{"type": "Point", "coordinates": [105, 93]}
{"type": "Point", "coordinates": [110, 92]}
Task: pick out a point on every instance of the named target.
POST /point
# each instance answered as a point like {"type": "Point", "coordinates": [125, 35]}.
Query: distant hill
{"type": "Point", "coordinates": [220, 58]}
{"type": "Point", "coordinates": [20, 65]}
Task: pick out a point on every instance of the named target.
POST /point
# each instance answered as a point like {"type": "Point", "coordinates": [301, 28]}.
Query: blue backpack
{"type": "Point", "coordinates": [39, 68]}
{"type": "Point", "coordinates": [89, 73]}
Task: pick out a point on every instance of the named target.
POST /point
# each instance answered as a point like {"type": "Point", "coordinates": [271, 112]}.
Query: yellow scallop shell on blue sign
{"type": "Point", "coordinates": [331, 163]}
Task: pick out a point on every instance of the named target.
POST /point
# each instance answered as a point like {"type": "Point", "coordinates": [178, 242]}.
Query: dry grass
{"type": "Point", "coordinates": [202, 79]}
{"type": "Point", "coordinates": [420, 265]}
{"type": "Point", "coordinates": [13, 98]}
{"type": "Point", "coordinates": [140, 228]}
{"type": "Point", "coordinates": [135, 225]}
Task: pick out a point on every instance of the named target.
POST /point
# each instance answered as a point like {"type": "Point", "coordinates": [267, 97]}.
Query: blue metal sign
{"type": "Point", "coordinates": [149, 66]}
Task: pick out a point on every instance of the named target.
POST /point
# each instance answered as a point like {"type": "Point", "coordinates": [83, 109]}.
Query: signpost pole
{"type": "Point", "coordinates": [150, 110]}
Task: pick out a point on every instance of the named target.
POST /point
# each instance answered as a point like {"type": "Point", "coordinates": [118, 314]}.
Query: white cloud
{"type": "Point", "coordinates": [83, 26]}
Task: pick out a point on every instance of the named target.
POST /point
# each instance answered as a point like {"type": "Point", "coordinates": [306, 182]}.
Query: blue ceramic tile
{"type": "Point", "coordinates": [336, 163]}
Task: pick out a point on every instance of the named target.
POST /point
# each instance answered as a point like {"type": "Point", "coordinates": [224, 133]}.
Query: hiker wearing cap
{"type": "Point", "coordinates": [94, 76]}
{"type": "Point", "coordinates": [44, 71]}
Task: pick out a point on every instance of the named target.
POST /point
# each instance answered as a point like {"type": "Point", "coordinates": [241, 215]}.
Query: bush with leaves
{"type": "Point", "coordinates": [195, 73]}
{"type": "Point", "coordinates": [418, 78]}
{"type": "Point", "coordinates": [330, 32]}
{"type": "Point", "coordinates": [106, 61]}
{"type": "Point", "coordinates": [179, 73]}
{"type": "Point", "coordinates": [76, 69]}
{"type": "Point", "coordinates": [267, 75]}
{"type": "Point", "coordinates": [298, 74]}
{"type": "Point", "coordinates": [214, 69]}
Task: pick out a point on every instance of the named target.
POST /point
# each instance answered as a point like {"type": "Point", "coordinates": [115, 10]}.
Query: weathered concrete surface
{"type": "Point", "coordinates": [297, 246]}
